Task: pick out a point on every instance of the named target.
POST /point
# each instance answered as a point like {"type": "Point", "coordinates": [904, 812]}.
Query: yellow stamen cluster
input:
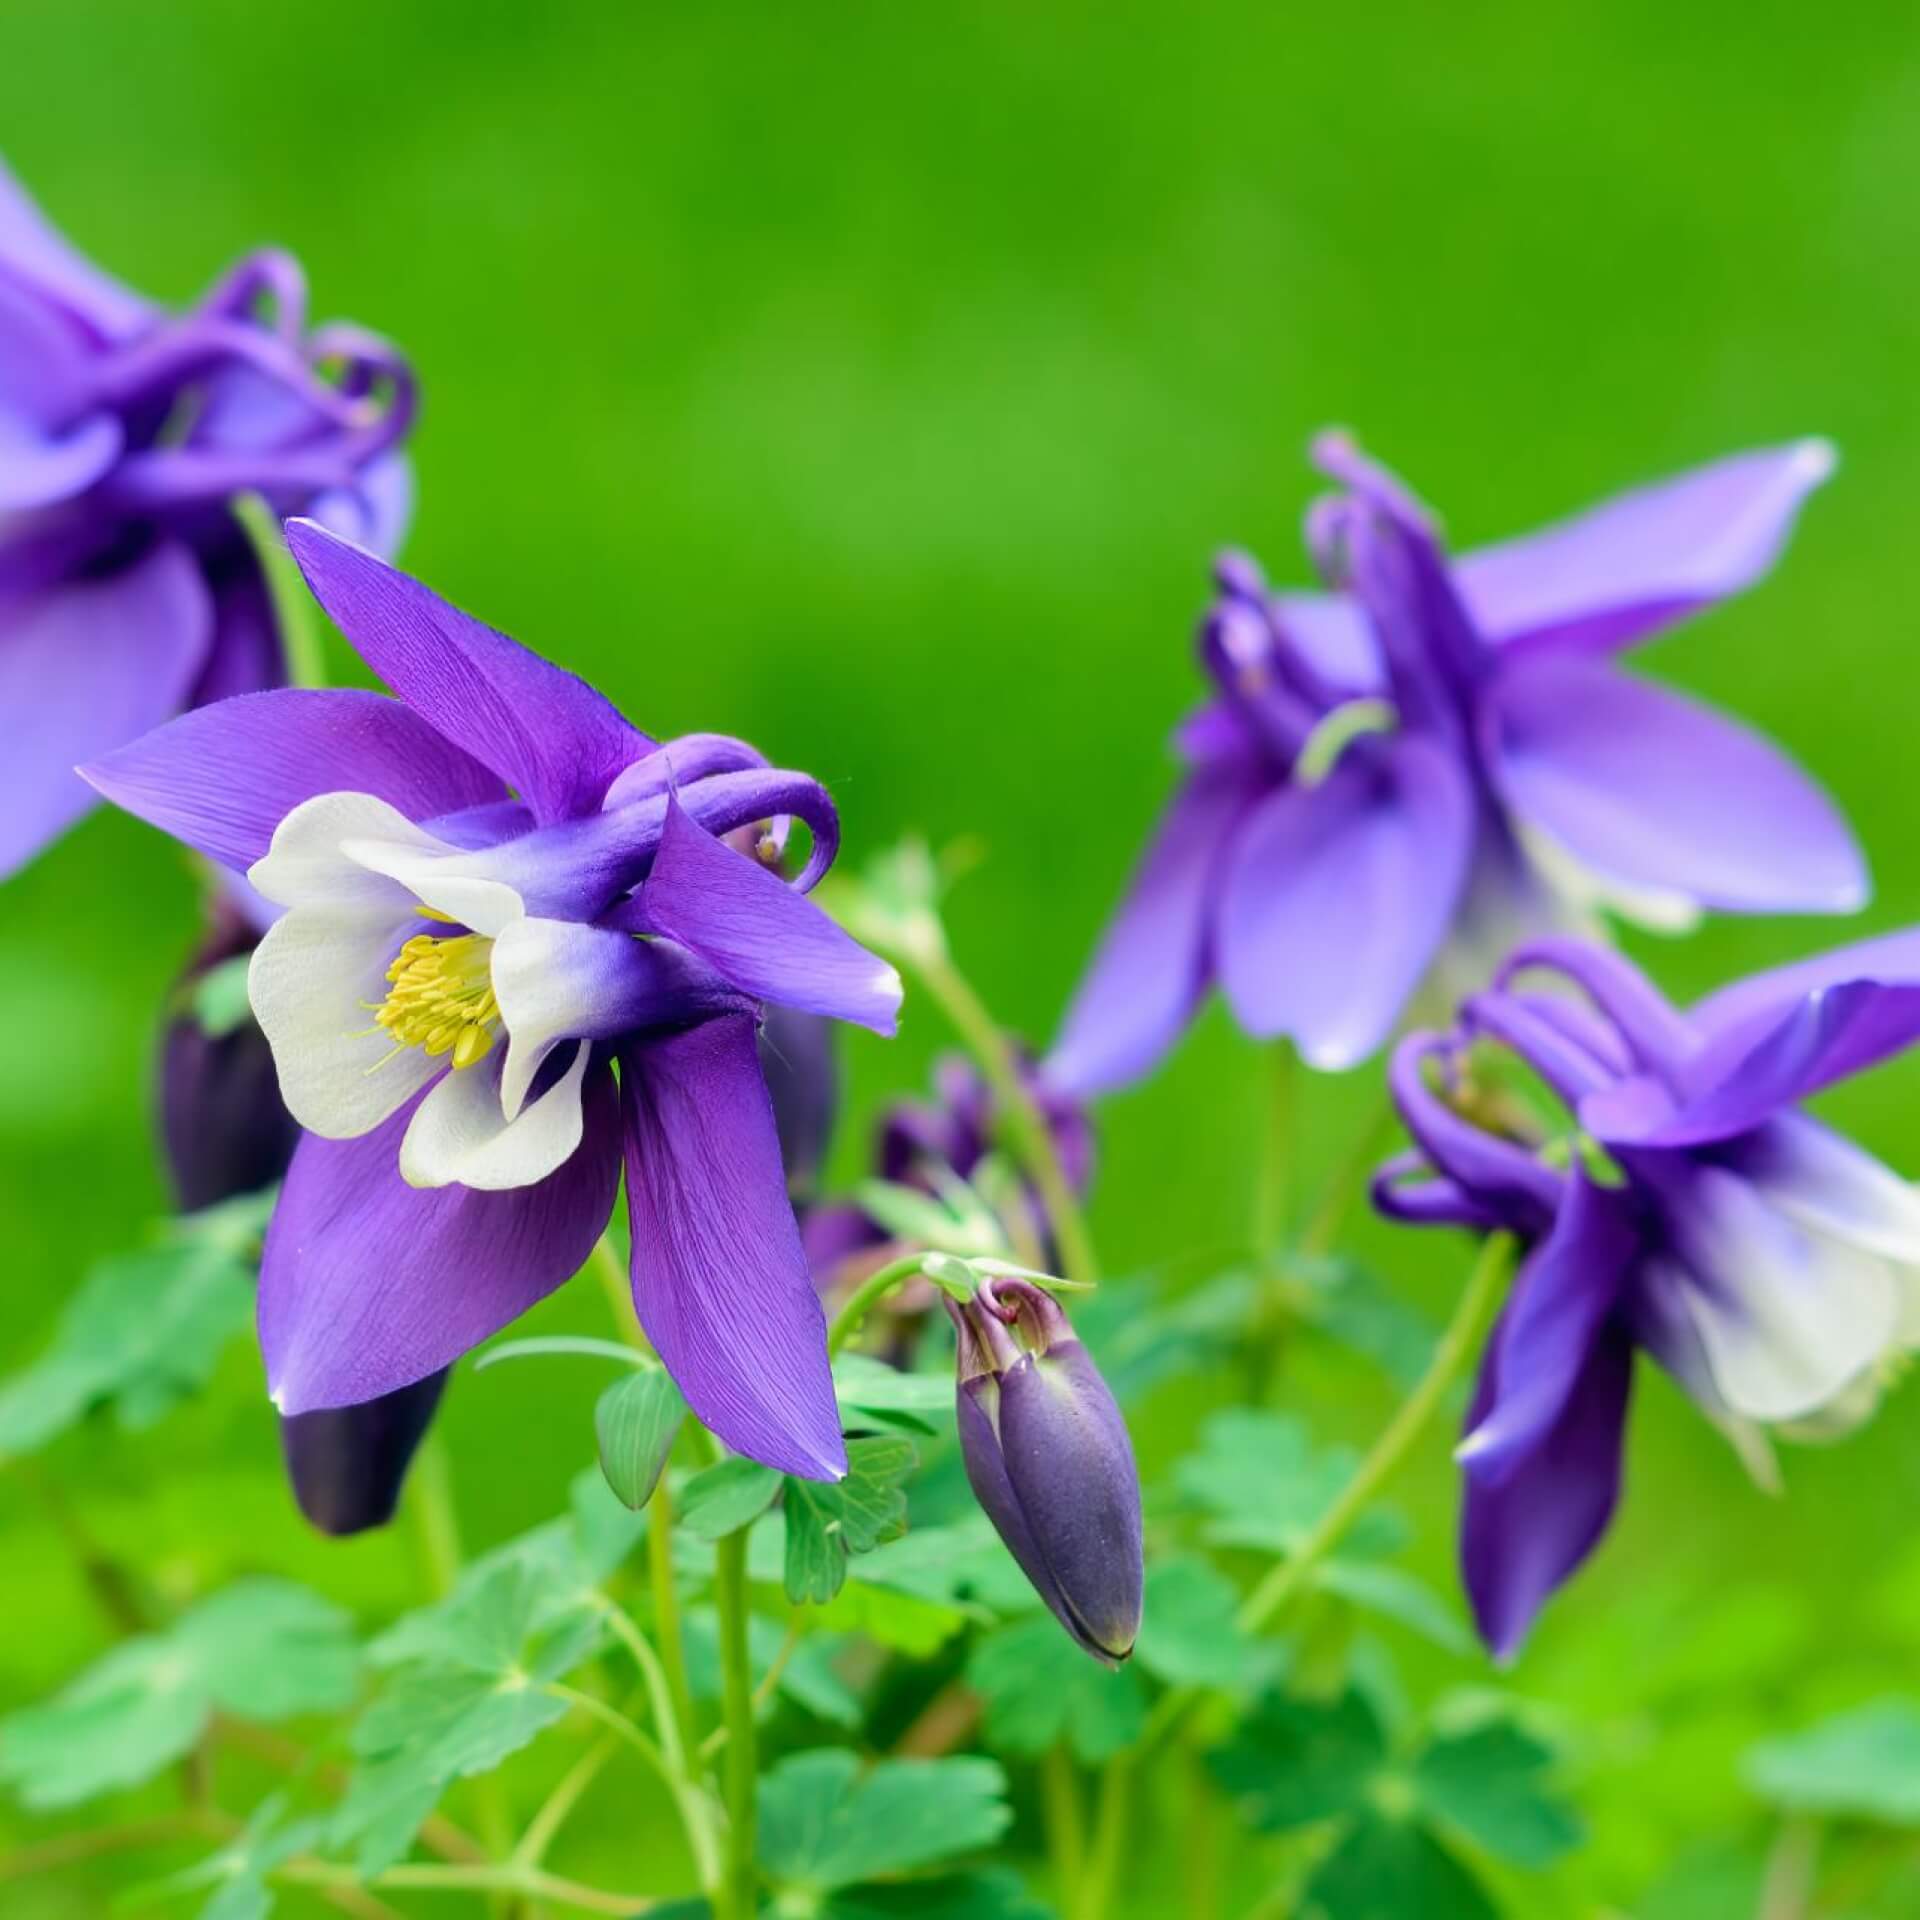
{"type": "Point", "coordinates": [441, 998]}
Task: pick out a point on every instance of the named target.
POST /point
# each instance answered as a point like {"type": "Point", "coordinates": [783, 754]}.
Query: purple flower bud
{"type": "Point", "coordinates": [1048, 1458]}
{"type": "Point", "coordinates": [347, 1463]}
{"type": "Point", "coordinates": [222, 1123]}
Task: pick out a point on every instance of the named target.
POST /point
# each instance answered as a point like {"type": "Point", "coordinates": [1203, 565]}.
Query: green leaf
{"type": "Point", "coordinates": [898, 1620]}
{"type": "Point", "coordinates": [1353, 1305]}
{"type": "Point", "coordinates": [1386, 1869]}
{"type": "Point", "coordinates": [271, 1650]}
{"type": "Point", "coordinates": [1190, 1637]}
{"type": "Point", "coordinates": [472, 1685]}
{"type": "Point", "coordinates": [1399, 1596]}
{"type": "Point", "coordinates": [145, 1330]}
{"type": "Point", "coordinates": [1862, 1765]}
{"type": "Point", "coordinates": [724, 1498]}
{"type": "Point", "coordinates": [964, 1565]}
{"type": "Point", "coordinates": [826, 1823]}
{"type": "Point", "coordinates": [871, 1386]}
{"type": "Point", "coordinates": [995, 1894]}
{"type": "Point", "coordinates": [1293, 1762]}
{"type": "Point", "coordinates": [830, 1521]}
{"type": "Point", "coordinates": [637, 1421]}
{"type": "Point", "coordinates": [262, 1647]}
{"type": "Point", "coordinates": [1039, 1688]}
{"type": "Point", "coordinates": [1490, 1783]}
{"type": "Point", "coordinates": [1266, 1483]}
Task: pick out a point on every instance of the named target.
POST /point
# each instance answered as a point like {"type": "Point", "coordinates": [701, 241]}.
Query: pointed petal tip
{"type": "Point", "coordinates": [1816, 458]}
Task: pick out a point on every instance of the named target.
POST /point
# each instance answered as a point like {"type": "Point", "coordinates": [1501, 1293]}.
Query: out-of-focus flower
{"type": "Point", "coordinates": [803, 1076]}
{"type": "Point", "coordinates": [923, 1145]}
{"type": "Point", "coordinates": [129, 589]}
{"type": "Point", "coordinates": [495, 888]}
{"type": "Point", "coordinates": [1048, 1457]}
{"type": "Point", "coordinates": [1398, 782]}
{"type": "Point", "coordinates": [223, 1125]}
{"type": "Point", "coordinates": [1688, 1208]}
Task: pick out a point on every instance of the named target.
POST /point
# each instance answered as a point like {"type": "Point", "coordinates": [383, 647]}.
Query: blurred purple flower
{"type": "Point", "coordinates": [918, 1142]}
{"type": "Point", "coordinates": [1768, 1264]}
{"type": "Point", "coordinates": [1048, 1458]}
{"type": "Point", "coordinates": [494, 889]}
{"type": "Point", "coordinates": [128, 588]}
{"type": "Point", "coordinates": [1397, 782]}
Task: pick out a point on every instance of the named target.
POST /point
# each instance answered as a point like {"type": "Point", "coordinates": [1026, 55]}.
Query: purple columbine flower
{"type": "Point", "coordinates": [1397, 782]}
{"type": "Point", "coordinates": [920, 1143]}
{"type": "Point", "coordinates": [1689, 1208]}
{"type": "Point", "coordinates": [128, 588]}
{"type": "Point", "coordinates": [1048, 1458]}
{"type": "Point", "coordinates": [494, 890]}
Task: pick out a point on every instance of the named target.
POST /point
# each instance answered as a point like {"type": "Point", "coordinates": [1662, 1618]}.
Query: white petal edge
{"type": "Point", "coordinates": [307, 862]}
{"type": "Point", "coordinates": [461, 1135]}
{"type": "Point", "coordinates": [312, 981]}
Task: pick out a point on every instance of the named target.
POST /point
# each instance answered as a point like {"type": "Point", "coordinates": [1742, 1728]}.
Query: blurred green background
{"type": "Point", "coordinates": [875, 383]}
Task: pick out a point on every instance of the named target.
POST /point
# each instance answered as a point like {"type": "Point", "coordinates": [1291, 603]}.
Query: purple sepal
{"type": "Point", "coordinates": [348, 1464]}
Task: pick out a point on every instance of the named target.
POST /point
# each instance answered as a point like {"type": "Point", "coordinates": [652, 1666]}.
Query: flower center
{"type": "Point", "coordinates": [441, 999]}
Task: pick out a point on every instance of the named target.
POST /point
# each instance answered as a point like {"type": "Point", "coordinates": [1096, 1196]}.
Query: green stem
{"type": "Point", "coordinates": [866, 1296]}
{"type": "Point", "coordinates": [436, 1525]}
{"type": "Point", "coordinates": [1348, 1183]}
{"type": "Point", "coordinates": [1451, 1353]}
{"type": "Point", "coordinates": [738, 1892]}
{"type": "Point", "coordinates": [544, 1828]}
{"type": "Point", "coordinates": [1065, 1824]}
{"type": "Point", "coordinates": [1273, 1194]}
{"type": "Point", "coordinates": [1450, 1356]}
{"type": "Point", "coordinates": [1021, 1120]}
{"type": "Point", "coordinates": [533, 1882]}
{"type": "Point", "coordinates": [293, 606]}
{"type": "Point", "coordinates": [611, 1271]}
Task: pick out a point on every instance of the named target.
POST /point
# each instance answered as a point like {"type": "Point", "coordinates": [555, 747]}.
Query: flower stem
{"type": "Point", "coordinates": [866, 1296]}
{"type": "Point", "coordinates": [1349, 1181]}
{"type": "Point", "coordinates": [1025, 1126]}
{"type": "Point", "coordinates": [436, 1526]}
{"type": "Point", "coordinates": [1065, 1824]}
{"type": "Point", "coordinates": [293, 606]}
{"type": "Point", "coordinates": [533, 1882]}
{"type": "Point", "coordinates": [1450, 1356]}
{"type": "Point", "coordinates": [1451, 1353]}
{"type": "Point", "coordinates": [738, 1891]}
{"type": "Point", "coordinates": [555, 1810]}
{"type": "Point", "coordinates": [1273, 1192]}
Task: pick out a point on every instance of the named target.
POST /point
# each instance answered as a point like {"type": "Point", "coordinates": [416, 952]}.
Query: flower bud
{"type": "Point", "coordinates": [1048, 1458]}
{"type": "Point", "coordinates": [347, 1463]}
{"type": "Point", "coordinates": [222, 1123]}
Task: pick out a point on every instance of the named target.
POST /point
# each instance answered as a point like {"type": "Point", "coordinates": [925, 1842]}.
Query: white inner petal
{"type": "Point", "coordinates": [461, 1133]}
{"type": "Point", "coordinates": [313, 980]}
{"type": "Point", "coordinates": [433, 872]}
{"type": "Point", "coordinates": [1789, 1314]}
{"type": "Point", "coordinates": [307, 863]}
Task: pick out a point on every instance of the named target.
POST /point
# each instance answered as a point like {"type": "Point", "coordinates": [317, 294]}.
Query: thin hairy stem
{"type": "Point", "coordinates": [530, 1882]}
{"type": "Point", "coordinates": [1451, 1353]}
{"type": "Point", "coordinates": [1348, 1182]}
{"type": "Point", "coordinates": [554, 1811]}
{"type": "Point", "coordinates": [1456, 1346]}
{"type": "Point", "coordinates": [738, 1891]}
{"type": "Point", "coordinates": [868, 1295]}
{"type": "Point", "coordinates": [1023, 1124]}
{"type": "Point", "coordinates": [1065, 1823]}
